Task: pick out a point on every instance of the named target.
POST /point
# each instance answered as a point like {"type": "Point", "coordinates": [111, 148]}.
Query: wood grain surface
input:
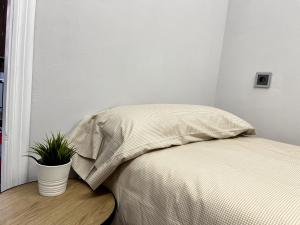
{"type": "Point", "coordinates": [78, 205]}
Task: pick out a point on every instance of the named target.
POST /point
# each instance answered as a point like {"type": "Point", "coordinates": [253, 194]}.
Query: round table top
{"type": "Point", "coordinates": [78, 205]}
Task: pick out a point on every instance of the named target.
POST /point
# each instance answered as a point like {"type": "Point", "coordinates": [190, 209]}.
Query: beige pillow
{"type": "Point", "coordinates": [119, 134]}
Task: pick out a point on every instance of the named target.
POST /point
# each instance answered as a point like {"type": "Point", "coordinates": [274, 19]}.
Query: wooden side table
{"type": "Point", "coordinates": [78, 205]}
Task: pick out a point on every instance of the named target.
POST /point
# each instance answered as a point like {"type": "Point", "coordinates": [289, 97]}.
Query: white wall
{"type": "Point", "coordinates": [94, 54]}
{"type": "Point", "coordinates": [263, 35]}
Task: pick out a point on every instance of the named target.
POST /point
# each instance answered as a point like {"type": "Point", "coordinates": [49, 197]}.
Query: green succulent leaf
{"type": "Point", "coordinates": [55, 150]}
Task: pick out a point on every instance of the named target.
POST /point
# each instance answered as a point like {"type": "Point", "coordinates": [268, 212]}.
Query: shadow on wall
{"type": "Point", "coordinates": [263, 36]}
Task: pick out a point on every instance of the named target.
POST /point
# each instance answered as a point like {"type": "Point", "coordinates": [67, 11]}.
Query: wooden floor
{"type": "Point", "coordinates": [78, 205]}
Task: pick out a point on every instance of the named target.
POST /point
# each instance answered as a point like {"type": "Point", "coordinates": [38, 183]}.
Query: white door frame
{"type": "Point", "coordinates": [17, 92]}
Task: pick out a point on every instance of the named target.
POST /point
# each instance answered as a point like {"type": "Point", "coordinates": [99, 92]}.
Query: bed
{"type": "Point", "coordinates": [222, 175]}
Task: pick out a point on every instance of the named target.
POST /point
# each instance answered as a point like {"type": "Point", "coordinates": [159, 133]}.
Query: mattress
{"type": "Point", "coordinates": [245, 180]}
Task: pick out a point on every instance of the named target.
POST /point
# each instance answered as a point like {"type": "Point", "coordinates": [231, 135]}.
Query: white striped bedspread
{"type": "Point", "coordinates": [240, 181]}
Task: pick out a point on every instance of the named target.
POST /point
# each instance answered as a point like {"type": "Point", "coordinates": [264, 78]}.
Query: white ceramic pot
{"type": "Point", "coordinates": [53, 180]}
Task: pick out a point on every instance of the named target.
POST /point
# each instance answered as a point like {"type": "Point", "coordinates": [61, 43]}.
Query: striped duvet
{"type": "Point", "coordinates": [217, 174]}
{"type": "Point", "coordinates": [241, 181]}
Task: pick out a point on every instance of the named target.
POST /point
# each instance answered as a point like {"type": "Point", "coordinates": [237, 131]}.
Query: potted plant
{"type": "Point", "coordinates": [53, 158]}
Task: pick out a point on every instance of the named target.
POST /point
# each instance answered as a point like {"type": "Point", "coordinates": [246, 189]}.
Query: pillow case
{"type": "Point", "coordinates": [116, 135]}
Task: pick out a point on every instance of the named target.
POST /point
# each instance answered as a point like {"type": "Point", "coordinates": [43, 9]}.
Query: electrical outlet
{"type": "Point", "coordinates": [263, 80]}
